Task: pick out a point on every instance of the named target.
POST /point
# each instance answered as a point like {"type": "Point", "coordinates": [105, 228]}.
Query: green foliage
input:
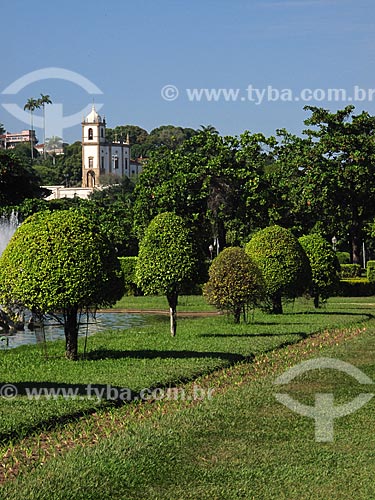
{"type": "Point", "coordinates": [371, 271]}
{"type": "Point", "coordinates": [324, 265]}
{"type": "Point", "coordinates": [112, 209]}
{"type": "Point", "coordinates": [283, 263]}
{"type": "Point", "coordinates": [128, 266]}
{"type": "Point", "coordinates": [60, 261]}
{"type": "Point", "coordinates": [235, 282]}
{"type": "Point", "coordinates": [69, 165]}
{"type": "Point", "coordinates": [48, 175]}
{"type": "Point", "coordinates": [143, 143]}
{"type": "Point", "coordinates": [350, 271]}
{"type": "Point", "coordinates": [343, 257]}
{"type": "Point", "coordinates": [356, 287]}
{"type": "Point", "coordinates": [23, 151]}
{"type": "Point", "coordinates": [165, 261]}
{"type": "Point", "coordinates": [17, 180]}
{"type": "Point", "coordinates": [216, 183]}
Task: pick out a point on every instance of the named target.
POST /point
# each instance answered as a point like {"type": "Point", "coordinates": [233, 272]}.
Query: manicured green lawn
{"type": "Point", "coordinates": [185, 303]}
{"type": "Point", "coordinates": [240, 444]}
{"type": "Point", "coordinates": [148, 357]}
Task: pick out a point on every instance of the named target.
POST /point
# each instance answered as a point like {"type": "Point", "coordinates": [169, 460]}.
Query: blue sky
{"type": "Point", "coordinates": [132, 49]}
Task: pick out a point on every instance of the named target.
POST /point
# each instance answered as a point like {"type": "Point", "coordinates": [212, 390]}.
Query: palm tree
{"type": "Point", "coordinates": [44, 99]}
{"type": "Point", "coordinates": [52, 144]}
{"type": "Point", "coordinates": [31, 105]}
{"type": "Point", "coordinates": [210, 129]}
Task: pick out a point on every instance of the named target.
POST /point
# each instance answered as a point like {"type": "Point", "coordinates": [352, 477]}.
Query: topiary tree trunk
{"type": "Point", "coordinates": [71, 332]}
{"type": "Point", "coordinates": [316, 300]}
{"type": "Point", "coordinates": [277, 305]}
{"type": "Point", "coordinates": [172, 302]}
{"type": "Point", "coordinates": [237, 313]}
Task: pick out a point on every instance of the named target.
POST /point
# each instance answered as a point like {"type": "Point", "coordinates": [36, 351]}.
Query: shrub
{"type": "Point", "coordinates": [343, 257]}
{"type": "Point", "coordinates": [350, 271]}
{"type": "Point", "coordinates": [325, 267]}
{"type": "Point", "coordinates": [235, 282]}
{"type": "Point", "coordinates": [128, 265]}
{"type": "Point", "coordinates": [283, 263]}
{"type": "Point", "coordinates": [371, 271]}
{"type": "Point", "coordinates": [356, 287]}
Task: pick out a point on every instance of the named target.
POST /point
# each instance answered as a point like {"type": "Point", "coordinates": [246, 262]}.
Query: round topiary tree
{"type": "Point", "coordinates": [235, 282]}
{"type": "Point", "coordinates": [60, 262]}
{"type": "Point", "coordinates": [283, 263]}
{"type": "Point", "coordinates": [325, 267]}
{"type": "Point", "coordinates": [166, 261]}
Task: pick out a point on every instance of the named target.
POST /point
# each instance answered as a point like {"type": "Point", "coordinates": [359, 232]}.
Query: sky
{"type": "Point", "coordinates": [235, 64]}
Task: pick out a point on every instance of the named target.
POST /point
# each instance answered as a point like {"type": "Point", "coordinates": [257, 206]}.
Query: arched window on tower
{"type": "Point", "coordinates": [91, 134]}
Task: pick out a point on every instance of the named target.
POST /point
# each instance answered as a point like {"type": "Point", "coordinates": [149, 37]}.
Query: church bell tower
{"type": "Point", "coordinates": [93, 138]}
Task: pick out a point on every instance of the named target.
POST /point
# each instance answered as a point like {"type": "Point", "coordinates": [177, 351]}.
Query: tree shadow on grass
{"type": "Point", "coordinates": [302, 335]}
{"type": "Point", "coordinates": [328, 313]}
{"type": "Point", "coordinates": [99, 354]}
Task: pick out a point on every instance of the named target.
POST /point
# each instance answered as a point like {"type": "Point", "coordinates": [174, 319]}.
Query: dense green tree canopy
{"type": "Point", "coordinates": [217, 183]}
{"type": "Point", "coordinates": [17, 180]}
{"type": "Point", "coordinates": [284, 265]}
{"type": "Point", "coordinates": [325, 180]}
{"type": "Point", "coordinates": [325, 267]}
{"type": "Point", "coordinates": [60, 261]}
{"type": "Point", "coordinates": [166, 261]}
{"type": "Point", "coordinates": [235, 282]}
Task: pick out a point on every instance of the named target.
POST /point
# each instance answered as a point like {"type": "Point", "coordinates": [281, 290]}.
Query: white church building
{"type": "Point", "coordinates": [100, 157]}
{"type": "Point", "coordinates": [102, 161]}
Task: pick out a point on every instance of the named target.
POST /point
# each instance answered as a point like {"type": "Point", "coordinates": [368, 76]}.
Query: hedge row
{"type": "Point", "coordinates": [357, 287]}
{"type": "Point", "coordinates": [371, 271]}
{"type": "Point", "coordinates": [349, 271]}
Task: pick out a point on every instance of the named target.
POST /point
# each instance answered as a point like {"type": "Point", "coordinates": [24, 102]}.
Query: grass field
{"type": "Point", "coordinates": [240, 444]}
{"type": "Point", "coordinates": [185, 303]}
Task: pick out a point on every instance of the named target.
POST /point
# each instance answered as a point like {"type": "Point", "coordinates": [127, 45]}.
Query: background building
{"type": "Point", "coordinates": [10, 139]}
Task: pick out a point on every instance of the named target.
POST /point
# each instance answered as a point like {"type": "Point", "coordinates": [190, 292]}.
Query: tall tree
{"type": "Point", "coordinates": [31, 105]}
{"type": "Point", "coordinates": [42, 101]}
{"type": "Point", "coordinates": [338, 173]}
{"type": "Point", "coordinates": [217, 183]}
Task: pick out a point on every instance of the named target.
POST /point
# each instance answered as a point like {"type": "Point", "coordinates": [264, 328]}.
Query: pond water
{"type": "Point", "coordinates": [55, 331]}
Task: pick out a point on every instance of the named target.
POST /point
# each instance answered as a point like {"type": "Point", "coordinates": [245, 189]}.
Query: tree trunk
{"type": "Point", "coordinates": [316, 300]}
{"type": "Point", "coordinates": [355, 237]}
{"type": "Point", "coordinates": [71, 332]}
{"type": "Point", "coordinates": [277, 306]}
{"type": "Point", "coordinates": [356, 249]}
{"type": "Point", "coordinates": [237, 314]}
{"type": "Point", "coordinates": [172, 301]}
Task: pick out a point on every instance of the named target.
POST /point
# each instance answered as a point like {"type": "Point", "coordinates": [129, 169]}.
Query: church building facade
{"type": "Point", "coordinates": [102, 159]}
